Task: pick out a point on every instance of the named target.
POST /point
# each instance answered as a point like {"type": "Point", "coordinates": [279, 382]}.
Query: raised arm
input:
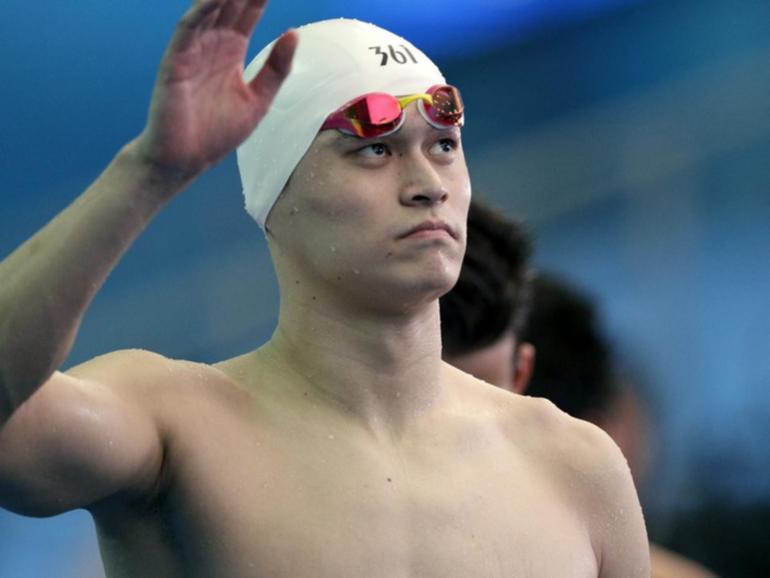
{"type": "Point", "coordinates": [201, 110]}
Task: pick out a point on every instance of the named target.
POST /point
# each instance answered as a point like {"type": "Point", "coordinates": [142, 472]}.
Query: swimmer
{"type": "Point", "coordinates": [344, 446]}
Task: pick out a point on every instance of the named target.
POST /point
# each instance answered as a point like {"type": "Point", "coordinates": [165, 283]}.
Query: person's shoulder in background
{"type": "Point", "coordinates": [667, 564]}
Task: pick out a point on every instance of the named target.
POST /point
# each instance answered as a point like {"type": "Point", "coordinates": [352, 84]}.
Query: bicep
{"type": "Point", "coordinates": [75, 442]}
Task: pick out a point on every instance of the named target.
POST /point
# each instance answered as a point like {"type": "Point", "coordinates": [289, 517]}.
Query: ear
{"type": "Point", "coordinates": [525, 365]}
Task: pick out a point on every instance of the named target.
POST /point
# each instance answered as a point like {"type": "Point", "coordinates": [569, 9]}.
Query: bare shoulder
{"type": "Point", "coordinates": [101, 419]}
{"type": "Point", "coordinates": [133, 367]}
{"type": "Point", "coordinates": [575, 449]}
{"type": "Point", "coordinates": [536, 426]}
{"type": "Point", "coordinates": [176, 393]}
{"type": "Point", "coordinates": [594, 477]}
{"type": "Point", "coordinates": [540, 430]}
{"type": "Point", "coordinates": [585, 466]}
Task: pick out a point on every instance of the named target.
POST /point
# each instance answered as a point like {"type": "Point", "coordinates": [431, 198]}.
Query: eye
{"type": "Point", "coordinates": [374, 150]}
{"type": "Point", "coordinates": [444, 146]}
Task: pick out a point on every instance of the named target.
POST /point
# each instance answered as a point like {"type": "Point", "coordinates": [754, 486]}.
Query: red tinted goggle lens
{"type": "Point", "coordinates": [447, 108]}
{"type": "Point", "coordinates": [374, 115]}
{"type": "Point", "coordinates": [377, 114]}
{"type": "Point", "coordinates": [375, 110]}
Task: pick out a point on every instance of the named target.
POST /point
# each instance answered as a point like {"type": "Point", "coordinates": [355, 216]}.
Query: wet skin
{"type": "Point", "coordinates": [264, 478]}
{"type": "Point", "coordinates": [344, 447]}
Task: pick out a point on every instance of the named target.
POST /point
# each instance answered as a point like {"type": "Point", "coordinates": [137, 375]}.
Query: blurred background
{"type": "Point", "coordinates": [634, 137]}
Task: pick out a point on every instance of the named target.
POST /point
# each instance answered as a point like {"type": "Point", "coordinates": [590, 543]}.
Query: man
{"type": "Point", "coordinates": [344, 446]}
{"type": "Point", "coordinates": [485, 312]}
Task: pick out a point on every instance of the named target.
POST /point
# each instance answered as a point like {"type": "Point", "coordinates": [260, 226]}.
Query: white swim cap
{"type": "Point", "coordinates": [336, 61]}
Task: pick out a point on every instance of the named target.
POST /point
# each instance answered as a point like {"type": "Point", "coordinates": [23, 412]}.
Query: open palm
{"type": "Point", "coordinates": [201, 106]}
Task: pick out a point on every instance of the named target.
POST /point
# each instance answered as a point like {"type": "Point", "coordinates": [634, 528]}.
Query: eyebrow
{"type": "Point", "coordinates": [344, 139]}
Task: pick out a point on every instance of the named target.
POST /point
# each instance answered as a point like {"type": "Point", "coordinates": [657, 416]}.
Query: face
{"type": "Point", "coordinates": [380, 219]}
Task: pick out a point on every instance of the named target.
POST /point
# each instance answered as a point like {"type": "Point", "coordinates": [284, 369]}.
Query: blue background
{"type": "Point", "coordinates": [634, 136]}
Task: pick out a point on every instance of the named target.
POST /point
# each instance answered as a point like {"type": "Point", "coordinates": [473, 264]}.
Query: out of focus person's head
{"type": "Point", "coordinates": [575, 371]}
{"type": "Point", "coordinates": [481, 317]}
{"type": "Point", "coordinates": [573, 367]}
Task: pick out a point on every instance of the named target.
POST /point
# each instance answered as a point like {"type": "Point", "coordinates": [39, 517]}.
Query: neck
{"type": "Point", "coordinates": [382, 369]}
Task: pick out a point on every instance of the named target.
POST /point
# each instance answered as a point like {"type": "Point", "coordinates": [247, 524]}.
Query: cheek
{"type": "Point", "coordinates": [339, 203]}
{"type": "Point", "coordinates": [461, 183]}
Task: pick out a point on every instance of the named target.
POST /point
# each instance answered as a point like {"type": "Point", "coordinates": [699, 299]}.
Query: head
{"type": "Point", "coordinates": [482, 317]}
{"type": "Point", "coordinates": [575, 372]}
{"type": "Point", "coordinates": [338, 209]}
{"type": "Point", "coordinates": [573, 363]}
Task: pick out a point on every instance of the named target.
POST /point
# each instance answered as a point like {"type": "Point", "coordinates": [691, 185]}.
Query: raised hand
{"type": "Point", "coordinates": [201, 107]}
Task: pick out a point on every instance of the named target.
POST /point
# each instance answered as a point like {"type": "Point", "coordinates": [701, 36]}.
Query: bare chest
{"type": "Point", "coordinates": [321, 505]}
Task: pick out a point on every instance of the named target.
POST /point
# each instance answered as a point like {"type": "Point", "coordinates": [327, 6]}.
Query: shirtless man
{"type": "Point", "coordinates": [344, 447]}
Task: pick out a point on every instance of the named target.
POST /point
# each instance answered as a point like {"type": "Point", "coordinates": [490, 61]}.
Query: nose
{"type": "Point", "coordinates": [422, 184]}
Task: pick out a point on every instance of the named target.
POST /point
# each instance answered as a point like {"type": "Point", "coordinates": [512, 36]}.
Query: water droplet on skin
{"type": "Point", "coordinates": [356, 272]}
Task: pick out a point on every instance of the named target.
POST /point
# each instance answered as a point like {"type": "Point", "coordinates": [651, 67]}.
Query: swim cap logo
{"type": "Point", "coordinates": [398, 56]}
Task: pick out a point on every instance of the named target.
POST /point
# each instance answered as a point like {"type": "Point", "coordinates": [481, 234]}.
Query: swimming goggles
{"type": "Point", "coordinates": [379, 114]}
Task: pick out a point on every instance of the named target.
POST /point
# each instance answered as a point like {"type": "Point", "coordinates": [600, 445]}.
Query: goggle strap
{"type": "Point", "coordinates": [405, 101]}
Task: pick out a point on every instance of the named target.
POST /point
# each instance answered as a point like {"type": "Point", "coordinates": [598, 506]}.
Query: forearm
{"type": "Point", "coordinates": [47, 284]}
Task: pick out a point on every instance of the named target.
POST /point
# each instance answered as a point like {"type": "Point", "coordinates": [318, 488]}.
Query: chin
{"type": "Point", "coordinates": [409, 282]}
{"type": "Point", "coordinates": [432, 283]}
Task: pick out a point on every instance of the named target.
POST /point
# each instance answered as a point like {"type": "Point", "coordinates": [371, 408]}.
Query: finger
{"type": "Point", "coordinates": [197, 18]}
{"type": "Point", "coordinates": [230, 12]}
{"type": "Point", "coordinates": [250, 16]}
{"type": "Point", "coordinates": [267, 82]}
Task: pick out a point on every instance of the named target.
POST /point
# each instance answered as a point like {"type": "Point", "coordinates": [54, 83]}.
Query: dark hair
{"type": "Point", "coordinates": [572, 367]}
{"type": "Point", "coordinates": [492, 292]}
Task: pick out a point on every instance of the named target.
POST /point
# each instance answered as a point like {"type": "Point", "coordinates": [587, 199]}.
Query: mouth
{"type": "Point", "coordinates": [432, 229]}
